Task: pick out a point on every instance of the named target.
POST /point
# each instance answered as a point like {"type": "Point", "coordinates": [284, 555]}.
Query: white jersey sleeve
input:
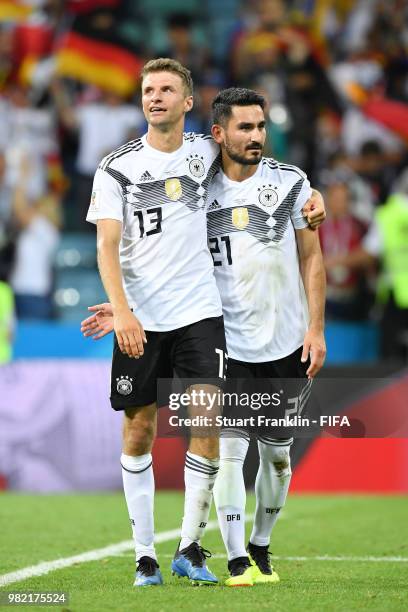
{"type": "Point", "coordinates": [298, 220]}
{"type": "Point", "coordinates": [106, 199]}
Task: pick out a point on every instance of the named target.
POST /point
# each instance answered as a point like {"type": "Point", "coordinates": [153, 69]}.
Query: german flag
{"type": "Point", "coordinates": [13, 10]}
{"type": "Point", "coordinates": [104, 64]}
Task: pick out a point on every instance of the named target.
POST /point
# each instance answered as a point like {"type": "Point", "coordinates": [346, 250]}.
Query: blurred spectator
{"type": "Point", "coordinates": [200, 118]}
{"type": "Point", "coordinates": [330, 72]}
{"type": "Point", "coordinates": [386, 241]}
{"type": "Point", "coordinates": [341, 234]}
{"type": "Point", "coordinates": [32, 275]}
{"type": "Point", "coordinates": [274, 47]}
{"type": "Point", "coordinates": [362, 196]}
{"type": "Point", "coordinates": [102, 125]}
{"type": "Point", "coordinates": [6, 321]}
{"type": "Point", "coordinates": [6, 51]}
{"type": "Point", "coordinates": [183, 47]}
{"type": "Point", "coordinates": [26, 130]}
{"type": "Point", "coordinates": [373, 166]}
{"type": "Point", "coordinates": [4, 195]}
{"type": "Point", "coordinates": [6, 229]}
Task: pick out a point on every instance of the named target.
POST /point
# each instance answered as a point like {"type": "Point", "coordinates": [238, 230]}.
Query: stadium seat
{"type": "Point", "coordinates": [76, 250]}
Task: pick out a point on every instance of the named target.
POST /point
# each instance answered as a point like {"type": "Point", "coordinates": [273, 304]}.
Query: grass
{"type": "Point", "coordinates": [42, 528]}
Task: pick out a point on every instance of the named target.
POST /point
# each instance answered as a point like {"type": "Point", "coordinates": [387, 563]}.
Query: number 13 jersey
{"type": "Point", "coordinates": [252, 240]}
{"type": "Point", "coordinates": [159, 198]}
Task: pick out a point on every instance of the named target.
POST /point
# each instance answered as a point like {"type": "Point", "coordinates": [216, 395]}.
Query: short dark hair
{"type": "Point", "coordinates": [234, 96]}
{"type": "Point", "coordinates": [166, 64]}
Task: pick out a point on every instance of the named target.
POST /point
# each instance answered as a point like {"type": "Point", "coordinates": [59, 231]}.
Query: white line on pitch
{"type": "Point", "coordinates": [370, 559]}
{"type": "Point", "coordinates": [92, 555]}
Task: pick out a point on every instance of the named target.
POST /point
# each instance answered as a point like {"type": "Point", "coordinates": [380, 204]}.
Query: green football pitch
{"type": "Point", "coordinates": [331, 552]}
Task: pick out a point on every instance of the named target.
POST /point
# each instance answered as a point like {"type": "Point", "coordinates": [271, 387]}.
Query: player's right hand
{"type": "Point", "coordinates": [129, 333]}
{"type": "Point", "coordinates": [100, 323]}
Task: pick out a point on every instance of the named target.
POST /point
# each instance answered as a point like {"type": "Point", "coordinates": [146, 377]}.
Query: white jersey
{"type": "Point", "coordinates": [159, 197]}
{"type": "Point", "coordinates": [252, 239]}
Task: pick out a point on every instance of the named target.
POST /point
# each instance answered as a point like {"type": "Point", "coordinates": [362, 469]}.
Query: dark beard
{"type": "Point", "coordinates": [243, 160]}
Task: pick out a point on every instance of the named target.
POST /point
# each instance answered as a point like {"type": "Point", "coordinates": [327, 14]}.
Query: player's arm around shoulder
{"type": "Point", "coordinates": [314, 210]}
{"type": "Point", "coordinates": [128, 329]}
{"type": "Point", "coordinates": [314, 280]}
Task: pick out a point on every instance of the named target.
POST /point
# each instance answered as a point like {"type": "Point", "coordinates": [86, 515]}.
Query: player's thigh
{"type": "Point", "coordinates": [291, 372]}
{"type": "Point", "coordinates": [240, 384]}
{"type": "Point", "coordinates": [134, 381]}
{"type": "Point", "coordinates": [199, 351]}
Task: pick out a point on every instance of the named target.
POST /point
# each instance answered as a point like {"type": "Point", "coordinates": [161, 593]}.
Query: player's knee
{"type": "Point", "coordinates": [233, 449]}
{"type": "Point", "coordinates": [281, 465]}
{"type": "Point", "coordinates": [277, 456]}
{"type": "Point", "coordinates": [205, 447]}
{"type": "Point", "coordinates": [138, 436]}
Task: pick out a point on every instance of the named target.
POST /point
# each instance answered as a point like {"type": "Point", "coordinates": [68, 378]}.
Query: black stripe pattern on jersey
{"type": "Point", "coordinates": [193, 193]}
{"type": "Point", "coordinates": [144, 195]}
{"type": "Point", "coordinates": [192, 136]}
{"type": "Point", "coordinates": [265, 227]}
{"type": "Point", "coordinates": [133, 145]}
{"type": "Point", "coordinates": [214, 168]}
{"type": "Point", "coordinates": [272, 164]}
{"type": "Point", "coordinates": [123, 181]}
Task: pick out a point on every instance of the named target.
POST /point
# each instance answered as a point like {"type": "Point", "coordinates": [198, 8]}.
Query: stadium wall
{"type": "Point", "coordinates": [58, 433]}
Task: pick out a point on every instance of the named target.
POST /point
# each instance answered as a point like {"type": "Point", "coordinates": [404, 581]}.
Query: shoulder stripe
{"type": "Point", "coordinates": [118, 150]}
{"type": "Point", "coordinates": [192, 136]}
{"type": "Point", "coordinates": [275, 165]}
{"type": "Point", "coordinates": [133, 145]}
{"type": "Point", "coordinates": [119, 177]}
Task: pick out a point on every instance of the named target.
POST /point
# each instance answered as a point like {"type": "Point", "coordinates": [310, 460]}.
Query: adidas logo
{"type": "Point", "coordinates": [146, 176]}
{"type": "Point", "coordinates": [214, 205]}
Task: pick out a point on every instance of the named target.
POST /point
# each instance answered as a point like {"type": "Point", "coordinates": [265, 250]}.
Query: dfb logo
{"type": "Point", "coordinates": [233, 517]}
{"type": "Point", "coordinates": [272, 510]}
{"type": "Point", "coordinates": [202, 525]}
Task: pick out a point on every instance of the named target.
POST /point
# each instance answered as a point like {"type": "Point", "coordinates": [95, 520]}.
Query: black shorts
{"type": "Point", "coordinates": [196, 352]}
{"type": "Point", "coordinates": [287, 367]}
{"type": "Point", "coordinates": [286, 377]}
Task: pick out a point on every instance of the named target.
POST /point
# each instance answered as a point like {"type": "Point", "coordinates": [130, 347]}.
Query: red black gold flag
{"type": "Point", "coordinates": [13, 10]}
{"type": "Point", "coordinates": [104, 64]}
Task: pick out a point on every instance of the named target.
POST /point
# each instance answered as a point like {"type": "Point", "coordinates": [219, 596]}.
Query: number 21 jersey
{"type": "Point", "coordinates": [251, 236]}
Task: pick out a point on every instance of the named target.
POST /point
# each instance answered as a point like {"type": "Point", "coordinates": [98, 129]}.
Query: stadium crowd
{"type": "Point", "coordinates": [334, 72]}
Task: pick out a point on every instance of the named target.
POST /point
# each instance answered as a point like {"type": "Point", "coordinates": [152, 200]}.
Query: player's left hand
{"type": "Point", "coordinates": [100, 323]}
{"type": "Point", "coordinates": [314, 345]}
{"type": "Point", "coordinates": [314, 209]}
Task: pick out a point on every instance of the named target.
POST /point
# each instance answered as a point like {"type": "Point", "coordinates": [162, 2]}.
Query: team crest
{"type": "Point", "coordinates": [268, 197]}
{"type": "Point", "coordinates": [196, 167]}
{"type": "Point", "coordinates": [173, 189]}
{"type": "Point", "coordinates": [94, 206]}
{"type": "Point", "coordinates": [124, 385]}
{"type": "Point", "coordinates": [240, 218]}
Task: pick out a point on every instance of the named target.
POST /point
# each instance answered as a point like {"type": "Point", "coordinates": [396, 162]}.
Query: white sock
{"type": "Point", "coordinates": [230, 494]}
{"type": "Point", "coordinates": [138, 483]}
{"type": "Point", "coordinates": [199, 478]}
{"type": "Point", "coordinates": [271, 487]}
